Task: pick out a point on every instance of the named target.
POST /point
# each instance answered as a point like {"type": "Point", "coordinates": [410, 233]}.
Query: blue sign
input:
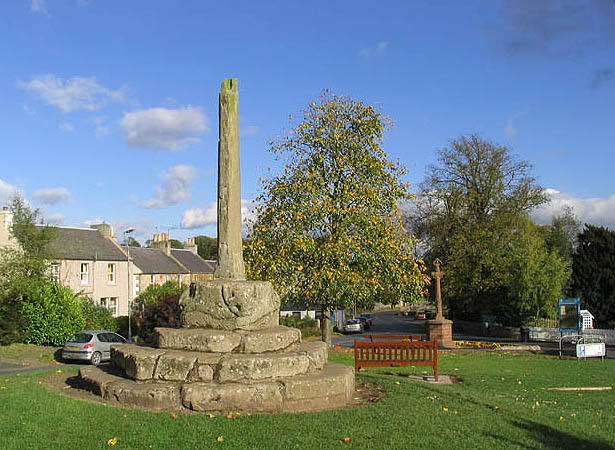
{"type": "Point", "coordinates": [569, 314]}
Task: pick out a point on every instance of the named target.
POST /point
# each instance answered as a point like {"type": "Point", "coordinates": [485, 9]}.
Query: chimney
{"type": "Point", "coordinates": [190, 245]}
{"type": "Point", "coordinates": [105, 229]}
{"type": "Point", "coordinates": [161, 241]}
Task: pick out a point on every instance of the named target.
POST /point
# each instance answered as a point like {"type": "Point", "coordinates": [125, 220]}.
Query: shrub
{"type": "Point", "coordinates": [307, 326]}
{"type": "Point", "coordinates": [12, 323]}
{"type": "Point", "coordinates": [52, 313]}
{"type": "Point", "coordinates": [98, 317]}
{"type": "Point", "coordinates": [165, 313]}
{"type": "Point", "coordinates": [154, 294]}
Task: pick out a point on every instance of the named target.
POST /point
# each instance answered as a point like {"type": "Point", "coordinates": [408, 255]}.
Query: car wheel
{"type": "Point", "coordinates": [96, 358]}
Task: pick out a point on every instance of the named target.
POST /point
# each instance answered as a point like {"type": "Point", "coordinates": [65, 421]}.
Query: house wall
{"type": "Point", "coordinates": [6, 240]}
{"type": "Point", "coordinates": [98, 286]}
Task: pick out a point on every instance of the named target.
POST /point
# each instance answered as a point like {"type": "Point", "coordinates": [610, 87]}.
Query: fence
{"type": "Point", "coordinates": [539, 334]}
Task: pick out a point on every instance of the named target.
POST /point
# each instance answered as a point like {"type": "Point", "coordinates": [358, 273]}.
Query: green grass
{"type": "Point", "coordinates": [29, 353]}
{"type": "Point", "coordinates": [501, 403]}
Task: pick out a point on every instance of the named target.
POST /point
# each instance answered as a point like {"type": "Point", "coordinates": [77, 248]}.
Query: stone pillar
{"type": "Point", "coordinates": [230, 255]}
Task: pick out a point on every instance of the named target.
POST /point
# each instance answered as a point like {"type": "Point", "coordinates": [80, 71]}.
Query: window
{"type": "Point", "coordinates": [153, 279]}
{"type": "Point", "coordinates": [111, 273]}
{"type": "Point", "coordinates": [55, 272]}
{"type": "Point", "coordinates": [84, 276]}
{"type": "Point", "coordinates": [110, 303]}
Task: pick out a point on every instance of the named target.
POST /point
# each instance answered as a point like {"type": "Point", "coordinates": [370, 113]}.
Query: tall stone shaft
{"type": "Point", "coordinates": [230, 254]}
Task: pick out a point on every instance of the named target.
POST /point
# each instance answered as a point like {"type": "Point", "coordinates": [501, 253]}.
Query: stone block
{"type": "Point", "coordinates": [158, 396]}
{"type": "Point", "coordinates": [175, 365]}
{"type": "Point", "coordinates": [138, 362]}
{"type": "Point", "coordinates": [270, 339]}
{"type": "Point", "coordinates": [332, 387]}
{"type": "Point", "coordinates": [96, 378]}
{"type": "Point", "coordinates": [204, 373]}
{"type": "Point", "coordinates": [242, 367]}
{"type": "Point", "coordinates": [441, 330]}
{"type": "Point", "coordinates": [198, 339]}
{"type": "Point", "coordinates": [257, 397]}
{"type": "Point", "coordinates": [231, 305]}
{"type": "Point", "coordinates": [316, 351]}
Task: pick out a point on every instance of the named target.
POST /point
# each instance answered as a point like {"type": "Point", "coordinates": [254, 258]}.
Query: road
{"type": "Point", "coordinates": [388, 322]}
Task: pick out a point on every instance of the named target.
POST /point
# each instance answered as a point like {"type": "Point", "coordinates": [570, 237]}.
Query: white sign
{"type": "Point", "coordinates": [590, 350]}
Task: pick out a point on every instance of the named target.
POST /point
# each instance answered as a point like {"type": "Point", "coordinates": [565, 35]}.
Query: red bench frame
{"type": "Point", "coordinates": [398, 351]}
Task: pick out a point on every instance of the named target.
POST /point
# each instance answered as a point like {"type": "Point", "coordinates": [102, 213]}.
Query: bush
{"type": "Point", "coordinates": [98, 317]}
{"type": "Point", "coordinates": [307, 326]}
{"type": "Point", "coordinates": [154, 293]}
{"type": "Point", "coordinates": [12, 323]}
{"type": "Point", "coordinates": [52, 314]}
{"type": "Point", "coordinates": [165, 313]}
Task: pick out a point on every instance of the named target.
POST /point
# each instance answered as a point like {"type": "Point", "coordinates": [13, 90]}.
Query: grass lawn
{"type": "Point", "coordinates": [501, 403]}
{"type": "Point", "coordinates": [29, 353]}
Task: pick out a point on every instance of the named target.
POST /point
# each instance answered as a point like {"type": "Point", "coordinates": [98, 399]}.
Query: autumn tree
{"type": "Point", "coordinates": [467, 213]}
{"type": "Point", "coordinates": [328, 231]}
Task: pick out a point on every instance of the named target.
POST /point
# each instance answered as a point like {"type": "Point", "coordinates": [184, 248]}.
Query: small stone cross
{"type": "Point", "coordinates": [438, 274]}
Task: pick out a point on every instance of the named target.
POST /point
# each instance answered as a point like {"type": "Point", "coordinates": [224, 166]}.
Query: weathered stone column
{"type": "Point", "coordinates": [230, 255]}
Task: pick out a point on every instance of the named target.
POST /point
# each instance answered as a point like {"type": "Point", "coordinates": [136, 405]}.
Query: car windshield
{"type": "Point", "coordinates": [80, 338]}
{"type": "Point", "coordinates": [353, 322]}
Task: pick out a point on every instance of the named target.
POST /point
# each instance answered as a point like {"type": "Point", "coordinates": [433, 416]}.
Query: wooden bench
{"type": "Point", "coordinates": [396, 351]}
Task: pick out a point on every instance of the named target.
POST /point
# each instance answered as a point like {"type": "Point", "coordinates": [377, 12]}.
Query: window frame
{"type": "Point", "coordinates": [84, 276]}
{"type": "Point", "coordinates": [111, 273]}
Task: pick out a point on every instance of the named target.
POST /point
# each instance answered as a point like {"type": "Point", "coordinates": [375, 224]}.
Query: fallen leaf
{"type": "Point", "coordinates": [211, 416]}
{"type": "Point", "coordinates": [230, 416]}
{"type": "Point", "coordinates": [594, 426]}
{"type": "Point", "coordinates": [346, 439]}
{"type": "Point", "coordinates": [561, 418]}
{"type": "Point", "coordinates": [397, 382]}
{"type": "Point", "coordinates": [173, 416]}
{"type": "Point", "coordinates": [220, 439]}
{"type": "Point", "coordinates": [445, 409]}
{"type": "Point", "coordinates": [67, 387]}
{"type": "Point", "coordinates": [59, 371]}
{"type": "Point", "coordinates": [112, 441]}
{"type": "Point", "coordinates": [2, 388]}
{"type": "Point", "coordinates": [124, 415]}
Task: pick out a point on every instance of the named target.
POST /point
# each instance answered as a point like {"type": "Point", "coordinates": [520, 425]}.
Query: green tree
{"type": "Point", "coordinates": [564, 232]}
{"type": "Point", "coordinates": [538, 276]}
{"type": "Point", "coordinates": [207, 247]}
{"type": "Point", "coordinates": [328, 230]}
{"type": "Point", "coordinates": [176, 244]}
{"type": "Point", "coordinates": [132, 242]}
{"type": "Point", "coordinates": [469, 206]}
{"type": "Point", "coordinates": [593, 273]}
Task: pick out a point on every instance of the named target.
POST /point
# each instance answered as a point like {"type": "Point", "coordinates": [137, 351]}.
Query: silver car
{"type": "Point", "coordinates": [92, 346]}
{"type": "Point", "coordinates": [353, 326]}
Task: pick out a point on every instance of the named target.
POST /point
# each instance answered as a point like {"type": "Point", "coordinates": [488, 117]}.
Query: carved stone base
{"type": "Point", "coordinates": [231, 305]}
{"type": "Point", "coordinates": [441, 330]}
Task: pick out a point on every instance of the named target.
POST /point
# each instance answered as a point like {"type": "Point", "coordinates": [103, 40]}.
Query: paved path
{"type": "Point", "coordinates": [10, 366]}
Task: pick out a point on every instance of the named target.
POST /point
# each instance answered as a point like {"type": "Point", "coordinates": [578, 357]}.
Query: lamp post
{"type": "Point", "coordinates": [127, 231]}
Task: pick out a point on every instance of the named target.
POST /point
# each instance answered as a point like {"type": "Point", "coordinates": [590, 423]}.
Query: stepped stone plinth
{"type": "Point", "coordinates": [231, 354]}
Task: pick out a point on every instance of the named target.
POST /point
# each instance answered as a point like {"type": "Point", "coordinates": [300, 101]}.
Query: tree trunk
{"type": "Point", "coordinates": [325, 327]}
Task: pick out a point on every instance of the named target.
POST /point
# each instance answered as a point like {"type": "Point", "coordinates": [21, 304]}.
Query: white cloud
{"type": "Point", "coordinates": [54, 218]}
{"type": "Point", "coordinates": [249, 130]}
{"type": "Point", "coordinates": [596, 211]}
{"type": "Point", "coordinates": [66, 126]}
{"type": "Point", "coordinates": [200, 217]}
{"type": "Point", "coordinates": [164, 128]}
{"type": "Point", "coordinates": [378, 50]}
{"type": "Point", "coordinates": [208, 215]}
{"type": "Point", "coordinates": [39, 6]}
{"type": "Point", "coordinates": [175, 187]}
{"type": "Point", "coordinates": [511, 129]}
{"type": "Point", "coordinates": [51, 196]}
{"type": "Point", "coordinates": [101, 129]}
{"type": "Point", "coordinates": [75, 93]}
{"type": "Point", "coordinates": [7, 192]}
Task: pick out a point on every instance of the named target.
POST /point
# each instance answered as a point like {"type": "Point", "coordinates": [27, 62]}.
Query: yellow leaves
{"type": "Point", "coordinates": [112, 441]}
{"type": "Point", "coordinates": [445, 409]}
{"type": "Point", "coordinates": [220, 439]}
{"type": "Point", "coordinates": [345, 439]}
{"type": "Point", "coordinates": [211, 416]}
{"type": "Point", "coordinates": [173, 416]}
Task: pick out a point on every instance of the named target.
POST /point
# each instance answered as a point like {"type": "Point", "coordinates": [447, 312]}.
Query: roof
{"type": "Point", "coordinates": [84, 244]}
{"type": "Point", "coordinates": [154, 261]}
{"type": "Point", "coordinates": [194, 263]}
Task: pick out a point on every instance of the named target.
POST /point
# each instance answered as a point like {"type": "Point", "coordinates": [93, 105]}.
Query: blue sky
{"type": "Point", "coordinates": [109, 108]}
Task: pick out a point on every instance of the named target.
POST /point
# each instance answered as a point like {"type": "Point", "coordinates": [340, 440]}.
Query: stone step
{"type": "Point", "coordinates": [146, 363]}
{"type": "Point", "coordinates": [270, 339]}
{"type": "Point", "coordinates": [331, 387]}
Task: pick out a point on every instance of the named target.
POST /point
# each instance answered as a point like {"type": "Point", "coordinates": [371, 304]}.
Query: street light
{"type": "Point", "coordinates": [126, 232]}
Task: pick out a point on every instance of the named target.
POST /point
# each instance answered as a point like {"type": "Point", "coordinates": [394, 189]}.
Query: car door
{"type": "Point", "coordinates": [105, 345]}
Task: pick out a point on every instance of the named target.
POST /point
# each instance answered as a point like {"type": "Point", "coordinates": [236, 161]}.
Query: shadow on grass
{"type": "Point", "coordinates": [549, 437]}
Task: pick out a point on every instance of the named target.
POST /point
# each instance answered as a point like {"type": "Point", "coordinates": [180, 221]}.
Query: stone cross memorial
{"type": "Point", "coordinates": [440, 329]}
{"type": "Point", "coordinates": [230, 353]}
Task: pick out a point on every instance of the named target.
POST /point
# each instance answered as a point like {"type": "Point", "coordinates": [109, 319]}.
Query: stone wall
{"type": "Point", "coordinates": [552, 334]}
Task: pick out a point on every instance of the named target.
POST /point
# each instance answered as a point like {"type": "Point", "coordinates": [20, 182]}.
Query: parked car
{"type": "Point", "coordinates": [353, 326]}
{"type": "Point", "coordinates": [366, 321]}
{"type": "Point", "coordinates": [93, 346]}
